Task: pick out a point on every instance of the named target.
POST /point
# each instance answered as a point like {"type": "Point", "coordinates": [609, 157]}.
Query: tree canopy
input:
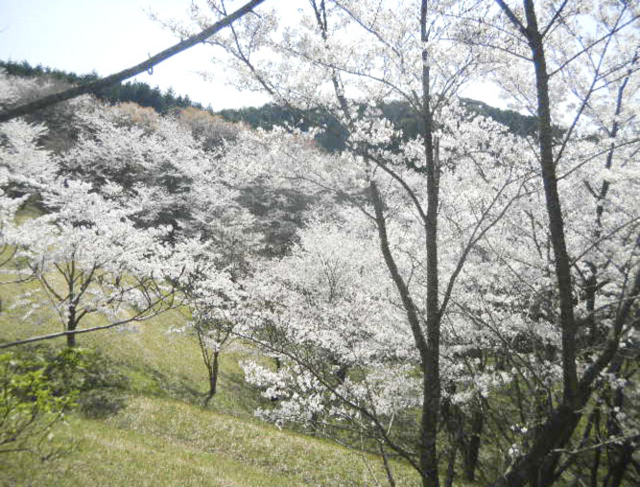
{"type": "Point", "coordinates": [457, 287]}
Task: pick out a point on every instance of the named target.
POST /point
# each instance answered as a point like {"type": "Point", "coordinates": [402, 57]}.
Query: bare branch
{"type": "Point", "coordinates": [128, 73]}
{"type": "Point", "coordinates": [139, 316]}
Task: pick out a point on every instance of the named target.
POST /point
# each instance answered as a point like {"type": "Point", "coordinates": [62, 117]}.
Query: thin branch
{"type": "Point", "coordinates": [554, 19]}
{"type": "Point", "coordinates": [476, 237]}
{"type": "Point", "coordinates": [590, 46]}
{"type": "Point", "coordinates": [140, 316]}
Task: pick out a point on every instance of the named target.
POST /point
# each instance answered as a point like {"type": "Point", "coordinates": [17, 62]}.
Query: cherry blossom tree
{"type": "Point", "coordinates": [25, 168]}
{"type": "Point", "coordinates": [353, 175]}
{"type": "Point", "coordinates": [574, 66]}
{"type": "Point", "coordinates": [501, 233]}
{"type": "Point", "coordinates": [88, 249]}
{"type": "Point", "coordinates": [289, 325]}
{"type": "Point", "coordinates": [155, 164]}
{"type": "Point", "coordinates": [326, 315]}
{"type": "Point", "coordinates": [213, 298]}
{"type": "Point", "coordinates": [332, 60]}
{"type": "Point", "coordinates": [90, 259]}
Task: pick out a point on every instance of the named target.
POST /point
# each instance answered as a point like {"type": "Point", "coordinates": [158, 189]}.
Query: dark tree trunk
{"type": "Point", "coordinates": [431, 362]}
{"type": "Point", "coordinates": [427, 346]}
{"type": "Point", "coordinates": [71, 326]}
{"type": "Point", "coordinates": [472, 446]}
{"type": "Point", "coordinates": [451, 467]}
{"type": "Point", "coordinates": [71, 339]}
{"type": "Point", "coordinates": [623, 455]}
{"type": "Point", "coordinates": [554, 210]}
{"type": "Point", "coordinates": [538, 465]}
{"type": "Point", "coordinates": [213, 377]}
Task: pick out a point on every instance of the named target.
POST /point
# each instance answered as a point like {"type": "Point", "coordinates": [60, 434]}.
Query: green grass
{"type": "Point", "coordinates": [164, 436]}
{"type": "Point", "coordinates": [157, 362]}
{"type": "Point", "coordinates": [157, 441]}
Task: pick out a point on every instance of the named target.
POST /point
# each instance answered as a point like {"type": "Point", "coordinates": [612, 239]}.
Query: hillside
{"type": "Point", "coordinates": [163, 442]}
{"type": "Point", "coordinates": [451, 299]}
{"type": "Point", "coordinates": [165, 437]}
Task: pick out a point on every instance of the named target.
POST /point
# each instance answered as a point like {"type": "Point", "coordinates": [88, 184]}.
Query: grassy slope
{"type": "Point", "coordinates": [158, 441]}
{"type": "Point", "coordinates": [164, 436]}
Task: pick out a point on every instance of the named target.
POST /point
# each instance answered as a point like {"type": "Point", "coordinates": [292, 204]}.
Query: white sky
{"type": "Point", "coordinates": [107, 36]}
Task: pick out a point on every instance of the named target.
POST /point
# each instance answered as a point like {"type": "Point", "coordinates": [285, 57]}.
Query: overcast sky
{"type": "Point", "coordinates": [107, 36]}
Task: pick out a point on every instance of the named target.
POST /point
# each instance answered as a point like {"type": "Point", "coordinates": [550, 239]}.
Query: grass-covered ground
{"type": "Point", "coordinates": [158, 441]}
{"type": "Point", "coordinates": [164, 436]}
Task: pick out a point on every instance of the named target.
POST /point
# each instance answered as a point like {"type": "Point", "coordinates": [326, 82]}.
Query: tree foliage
{"type": "Point", "coordinates": [493, 244]}
{"type": "Point", "coordinates": [31, 404]}
{"type": "Point", "coordinates": [450, 290]}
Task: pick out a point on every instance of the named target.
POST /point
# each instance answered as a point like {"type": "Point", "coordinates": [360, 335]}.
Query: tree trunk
{"type": "Point", "coordinates": [387, 467]}
{"type": "Point", "coordinates": [71, 339]}
{"type": "Point", "coordinates": [472, 446]}
{"type": "Point", "coordinates": [451, 467]}
{"type": "Point", "coordinates": [623, 457]}
{"type": "Point", "coordinates": [538, 464]}
{"type": "Point", "coordinates": [431, 363]}
{"type": "Point", "coordinates": [556, 431]}
{"type": "Point", "coordinates": [554, 210]}
{"type": "Point", "coordinates": [71, 326]}
{"type": "Point", "coordinates": [213, 378]}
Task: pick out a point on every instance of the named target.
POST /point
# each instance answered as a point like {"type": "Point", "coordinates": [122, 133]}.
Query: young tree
{"type": "Point", "coordinates": [89, 259]}
{"type": "Point", "coordinates": [213, 297]}
{"type": "Point", "coordinates": [85, 250]}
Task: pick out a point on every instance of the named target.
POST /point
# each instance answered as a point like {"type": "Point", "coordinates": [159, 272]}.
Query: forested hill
{"type": "Point", "coordinates": [266, 116]}
{"type": "Point", "coordinates": [399, 113]}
